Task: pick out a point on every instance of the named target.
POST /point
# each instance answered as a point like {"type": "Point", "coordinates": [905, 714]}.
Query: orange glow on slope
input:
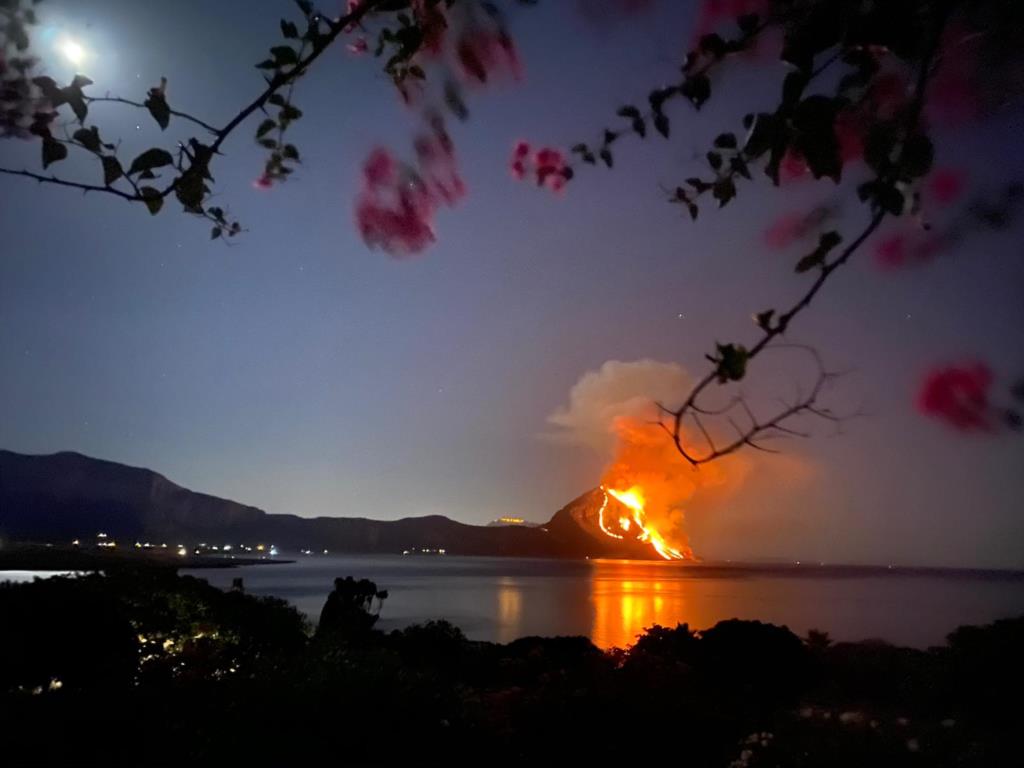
{"type": "Point", "coordinates": [600, 519]}
{"type": "Point", "coordinates": [633, 499]}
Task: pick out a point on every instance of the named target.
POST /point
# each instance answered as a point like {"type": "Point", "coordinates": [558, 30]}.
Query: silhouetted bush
{"type": "Point", "coordinates": [156, 669]}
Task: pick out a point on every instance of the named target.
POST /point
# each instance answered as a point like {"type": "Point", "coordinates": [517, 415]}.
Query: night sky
{"type": "Point", "coordinates": [299, 372]}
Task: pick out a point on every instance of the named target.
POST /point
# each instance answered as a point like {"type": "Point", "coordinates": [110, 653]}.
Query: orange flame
{"type": "Point", "coordinates": [633, 499]}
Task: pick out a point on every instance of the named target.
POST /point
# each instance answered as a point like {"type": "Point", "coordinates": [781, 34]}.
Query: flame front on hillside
{"type": "Point", "coordinates": [633, 500]}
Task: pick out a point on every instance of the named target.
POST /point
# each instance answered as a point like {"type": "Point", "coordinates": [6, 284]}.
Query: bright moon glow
{"type": "Point", "coordinates": [72, 51]}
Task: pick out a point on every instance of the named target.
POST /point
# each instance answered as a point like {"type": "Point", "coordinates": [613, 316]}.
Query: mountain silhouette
{"type": "Point", "coordinates": [64, 496]}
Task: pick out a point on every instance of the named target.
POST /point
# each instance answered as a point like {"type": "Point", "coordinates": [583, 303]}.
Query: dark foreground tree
{"type": "Point", "coordinates": [153, 669]}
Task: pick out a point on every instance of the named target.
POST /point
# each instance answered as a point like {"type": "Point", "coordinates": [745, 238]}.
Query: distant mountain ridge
{"type": "Point", "coordinates": [62, 496]}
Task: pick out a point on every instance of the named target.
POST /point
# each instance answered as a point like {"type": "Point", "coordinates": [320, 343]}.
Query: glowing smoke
{"type": "Point", "coordinates": [613, 410]}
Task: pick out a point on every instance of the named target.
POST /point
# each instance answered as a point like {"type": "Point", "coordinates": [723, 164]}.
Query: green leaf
{"type": "Point", "coordinates": [454, 101]}
{"type": "Point", "coordinates": [77, 103]}
{"type": "Point", "coordinates": [50, 90]}
{"type": "Point", "coordinates": [284, 55]}
{"type": "Point", "coordinates": [288, 29]}
{"type": "Point", "coordinates": [606, 156]}
{"type": "Point", "coordinates": [267, 64]}
{"type": "Point", "coordinates": [150, 159]}
{"type": "Point", "coordinates": [88, 138]}
{"type": "Point", "coordinates": [159, 109]}
{"type": "Point", "coordinates": [265, 127]}
{"type": "Point", "coordinates": [748, 23]}
{"type": "Point", "coordinates": [53, 151]}
{"type": "Point", "coordinates": [918, 156]}
{"type": "Point", "coordinates": [878, 146]}
{"type": "Point", "coordinates": [815, 258]}
{"type": "Point", "coordinates": [215, 233]}
{"type": "Point", "coordinates": [697, 89]}
{"type": "Point", "coordinates": [725, 141]}
{"type": "Point", "coordinates": [628, 111]}
{"type": "Point", "coordinates": [290, 152]}
{"type": "Point", "coordinates": [815, 136]}
{"type": "Point", "coordinates": [112, 170]}
{"type": "Point", "coordinates": [739, 166]}
{"type": "Point", "coordinates": [151, 197]}
{"type": "Point", "coordinates": [732, 362]}
{"type": "Point", "coordinates": [810, 261]}
{"type": "Point", "coordinates": [763, 135]}
{"type": "Point", "coordinates": [724, 191]}
{"type": "Point", "coordinates": [793, 88]}
{"type": "Point", "coordinates": [661, 124]}
{"type": "Point", "coordinates": [764, 319]}
{"type": "Point", "coordinates": [713, 45]}
{"type": "Point", "coordinates": [829, 240]}
{"type": "Point", "coordinates": [189, 189]}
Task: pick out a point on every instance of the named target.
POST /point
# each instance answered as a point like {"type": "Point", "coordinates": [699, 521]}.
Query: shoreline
{"type": "Point", "coordinates": [42, 558]}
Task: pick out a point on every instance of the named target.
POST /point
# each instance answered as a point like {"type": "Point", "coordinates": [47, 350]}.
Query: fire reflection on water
{"type": "Point", "coordinates": [630, 596]}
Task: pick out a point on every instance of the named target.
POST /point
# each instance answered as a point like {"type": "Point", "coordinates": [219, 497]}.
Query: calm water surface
{"type": "Point", "coordinates": [500, 599]}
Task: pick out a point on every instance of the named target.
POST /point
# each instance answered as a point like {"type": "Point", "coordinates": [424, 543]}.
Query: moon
{"type": "Point", "coordinates": [72, 50]}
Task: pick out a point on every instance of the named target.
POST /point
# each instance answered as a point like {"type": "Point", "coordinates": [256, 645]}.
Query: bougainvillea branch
{"type": "Point", "coordinates": [142, 105]}
{"type": "Point", "coordinates": [731, 361]}
{"type": "Point", "coordinates": [191, 159]}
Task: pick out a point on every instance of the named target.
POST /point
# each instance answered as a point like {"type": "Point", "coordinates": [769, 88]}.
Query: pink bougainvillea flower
{"type": "Point", "coordinates": [909, 247]}
{"type": "Point", "coordinates": [264, 182]}
{"type": "Point", "coordinates": [546, 166]}
{"type": "Point", "coordinates": [850, 135]}
{"type": "Point", "coordinates": [550, 165]}
{"type": "Point", "coordinates": [380, 168]}
{"type": "Point", "coordinates": [520, 155]}
{"type": "Point", "coordinates": [351, 7]}
{"type": "Point", "coordinates": [892, 251]}
{"type": "Point", "coordinates": [401, 230]}
{"type": "Point", "coordinates": [432, 22]}
{"type": "Point", "coordinates": [959, 396]}
{"type": "Point", "coordinates": [793, 166]}
{"type": "Point", "coordinates": [946, 185]}
{"type": "Point", "coordinates": [436, 154]}
{"type": "Point", "coordinates": [358, 46]}
{"type": "Point", "coordinates": [396, 206]}
{"type": "Point", "coordinates": [791, 227]}
{"type": "Point", "coordinates": [394, 210]}
{"type": "Point", "coordinates": [786, 230]}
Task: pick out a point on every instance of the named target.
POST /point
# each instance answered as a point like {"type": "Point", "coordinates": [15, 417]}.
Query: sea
{"type": "Point", "coordinates": [612, 601]}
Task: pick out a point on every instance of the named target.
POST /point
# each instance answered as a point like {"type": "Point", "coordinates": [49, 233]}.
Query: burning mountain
{"type": "Point", "coordinates": [646, 485]}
